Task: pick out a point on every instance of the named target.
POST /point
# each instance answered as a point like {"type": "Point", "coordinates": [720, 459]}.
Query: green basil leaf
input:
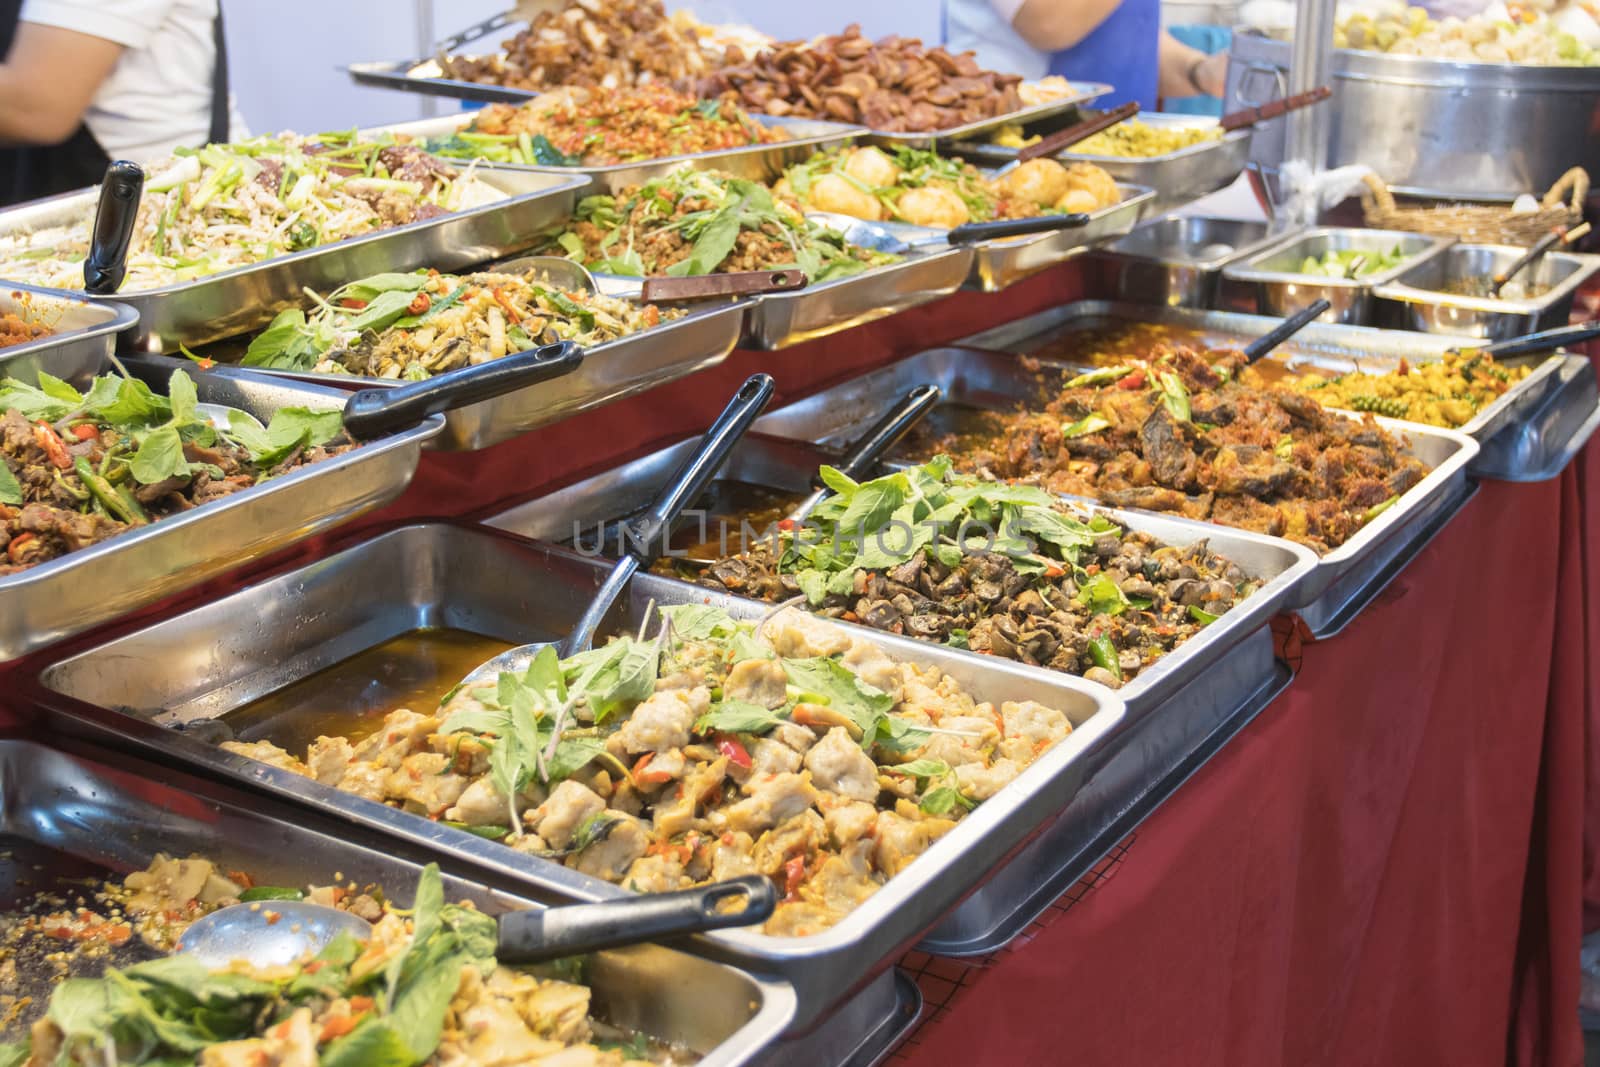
{"type": "Point", "coordinates": [10, 488]}
{"type": "Point", "coordinates": [160, 457]}
{"type": "Point", "coordinates": [269, 347]}
{"type": "Point", "coordinates": [944, 800]}
{"type": "Point", "coordinates": [737, 717]}
{"type": "Point", "coordinates": [52, 386]}
{"type": "Point", "coordinates": [1201, 616]}
{"type": "Point", "coordinates": [921, 768]}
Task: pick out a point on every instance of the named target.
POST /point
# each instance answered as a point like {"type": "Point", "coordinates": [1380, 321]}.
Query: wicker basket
{"type": "Point", "coordinates": [1480, 223]}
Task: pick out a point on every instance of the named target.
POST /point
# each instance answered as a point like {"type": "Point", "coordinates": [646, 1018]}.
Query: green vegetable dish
{"type": "Point", "coordinates": [1352, 262]}
{"type": "Point", "coordinates": [1008, 570]}
{"type": "Point", "coordinates": [77, 468]}
{"type": "Point", "coordinates": [693, 222]}
{"type": "Point", "coordinates": [424, 990]}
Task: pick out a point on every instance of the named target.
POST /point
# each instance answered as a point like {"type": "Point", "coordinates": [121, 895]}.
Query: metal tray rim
{"type": "Point", "coordinates": [120, 317]}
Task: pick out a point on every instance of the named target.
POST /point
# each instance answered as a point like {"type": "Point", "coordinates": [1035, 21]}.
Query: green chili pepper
{"type": "Point", "coordinates": [131, 502]}
{"type": "Point", "coordinates": [1201, 616]}
{"type": "Point", "coordinates": [1174, 395]}
{"type": "Point", "coordinates": [1378, 509]}
{"type": "Point", "coordinates": [1103, 376]}
{"type": "Point", "coordinates": [1104, 654]}
{"type": "Point", "coordinates": [104, 492]}
{"type": "Point", "coordinates": [271, 892]}
{"type": "Point", "coordinates": [1094, 422]}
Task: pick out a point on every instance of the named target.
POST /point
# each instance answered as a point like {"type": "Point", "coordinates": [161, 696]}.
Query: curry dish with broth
{"type": "Point", "coordinates": [711, 750]}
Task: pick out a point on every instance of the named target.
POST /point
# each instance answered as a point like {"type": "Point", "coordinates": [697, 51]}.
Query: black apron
{"type": "Point", "coordinates": [28, 172]}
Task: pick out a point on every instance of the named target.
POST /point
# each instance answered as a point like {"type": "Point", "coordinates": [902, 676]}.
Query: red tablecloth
{"type": "Point", "coordinates": [1387, 867]}
{"type": "Point", "coordinates": [1383, 869]}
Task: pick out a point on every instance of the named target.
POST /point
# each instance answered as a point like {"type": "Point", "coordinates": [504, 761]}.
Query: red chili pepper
{"type": "Point", "coordinates": [86, 431]}
{"type": "Point", "coordinates": [51, 442]}
{"type": "Point", "coordinates": [419, 304]}
{"type": "Point", "coordinates": [794, 872]}
{"type": "Point", "coordinates": [642, 777]}
{"type": "Point", "coordinates": [352, 303]}
{"type": "Point", "coordinates": [734, 749]}
{"type": "Point", "coordinates": [511, 312]}
{"type": "Point", "coordinates": [18, 542]}
{"type": "Point", "coordinates": [1132, 381]}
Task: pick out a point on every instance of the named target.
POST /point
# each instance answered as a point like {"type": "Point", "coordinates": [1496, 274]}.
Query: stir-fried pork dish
{"type": "Point", "coordinates": [594, 128]}
{"type": "Point", "coordinates": [694, 222]}
{"type": "Point", "coordinates": [413, 326]}
{"type": "Point", "coordinates": [715, 749]}
{"type": "Point", "coordinates": [1448, 391]}
{"type": "Point", "coordinates": [232, 205]}
{"type": "Point", "coordinates": [77, 468]}
{"type": "Point", "coordinates": [1184, 435]}
{"type": "Point", "coordinates": [925, 189]}
{"type": "Point", "coordinates": [1036, 581]}
{"type": "Point", "coordinates": [425, 989]}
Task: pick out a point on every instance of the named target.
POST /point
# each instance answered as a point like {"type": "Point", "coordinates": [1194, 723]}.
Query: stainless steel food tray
{"type": "Point", "coordinates": [1500, 429]}
{"type": "Point", "coordinates": [1172, 707]}
{"type": "Point", "coordinates": [609, 372]}
{"type": "Point", "coordinates": [85, 333]}
{"type": "Point", "coordinates": [1177, 260]}
{"type": "Point", "coordinates": [997, 264]}
{"type": "Point", "coordinates": [762, 162]}
{"type": "Point", "coordinates": [430, 575]}
{"type": "Point", "coordinates": [65, 809]}
{"type": "Point", "coordinates": [1281, 290]}
{"type": "Point", "coordinates": [82, 589]}
{"type": "Point", "coordinates": [1177, 177]}
{"type": "Point", "coordinates": [234, 301]}
{"type": "Point", "coordinates": [1341, 583]}
{"type": "Point", "coordinates": [1548, 437]}
{"type": "Point", "coordinates": [1414, 300]}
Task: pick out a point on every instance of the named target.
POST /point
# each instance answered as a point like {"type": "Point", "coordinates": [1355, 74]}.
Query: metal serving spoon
{"type": "Point", "coordinates": [643, 537]}
{"type": "Point", "coordinates": [274, 933]}
{"type": "Point", "coordinates": [567, 274]}
{"type": "Point", "coordinates": [880, 238]}
{"type": "Point", "coordinates": [1543, 341]}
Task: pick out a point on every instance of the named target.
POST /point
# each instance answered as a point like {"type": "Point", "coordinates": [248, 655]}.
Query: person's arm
{"type": "Point", "coordinates": [1186, 71]}
{"type": "Point", "coordinates": [1051, 25]}
{"type": "Point", "coordinates": [49, 80]}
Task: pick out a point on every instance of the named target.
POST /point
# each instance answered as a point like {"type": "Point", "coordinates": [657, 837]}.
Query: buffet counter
{"type": "Point", "coordinates": [1388, 858]}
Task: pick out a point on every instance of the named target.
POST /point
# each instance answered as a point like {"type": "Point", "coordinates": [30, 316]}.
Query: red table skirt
{"type": "Point", "coordinates": [1388, 867]}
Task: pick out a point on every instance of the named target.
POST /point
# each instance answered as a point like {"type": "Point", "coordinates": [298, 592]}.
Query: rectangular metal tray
{"type": "Point", "coordinates": [1177, 177]}
{"type": "Point", "coordinates": [609, 372]}
{"type": "Point", "coordinates": [83, 589]}
{"type": "Point", "coordinates": [1203, 683]}
{"type": "Point", "coordinates": [1177, 260]}
{"type": "Point", "coordinates": [64, 807]}
{"type": "Point", "coordinates": [1281, 290]}
{"type": "Point", "coordinates": [1341, 583]}
{"type": "Point", "coordinates": [1546, 438]}
{"type": "Point", "coordinates": [85, 333]}
{"type": "Point", "coordinates": [430, 575]}
{"type": "Point", "coordinates": [763, 162]}
{"type": "Point", "coordinates": [234, 301]}
{"type": "Point", "coordinates": [1324, 345]}
{"type": "Point", "coordinates": [997, 264]}
{"type": "Point", "coordinates": [1414, 300]}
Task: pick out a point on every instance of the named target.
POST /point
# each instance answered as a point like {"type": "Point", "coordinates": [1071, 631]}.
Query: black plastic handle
{"type": "Point", "coordinates": [539, 934]}
{"type": "Point", "coordinates": [1286, 329]}
{"type": "Point", "coordinates": [107, 262]}
{"type": "Point", "coordinates": [1545, 340]}
{"type": "Point", "coordinates": [645, 536]}
{"type": "Point", "coordinates": [970, 232]}
{"type": "Point", "coordinates": [886, 432]}
{"type": "Point", "coordinates": [1537, 249]}
{"type": "Point", "coordinates": [372, 413]}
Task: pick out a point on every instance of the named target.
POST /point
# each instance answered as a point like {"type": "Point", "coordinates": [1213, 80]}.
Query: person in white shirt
{"type": "Point", "coordinates": [88, 81]}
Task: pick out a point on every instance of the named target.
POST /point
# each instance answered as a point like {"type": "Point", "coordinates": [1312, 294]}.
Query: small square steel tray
{"type": "Point", "coordinates": [1341, 583]}
{"type": "Point", "coordinates": [70, 810]}
{"type": "Point", "coordinates": [1281, 289]}
{"type": "Point", "coordinates": [1417, 300]}
{"type": "Point", "coordinates": [1177, 260]}
{"type": "Point", "coordinates": [209, 661]}
{"type": "Point", "coordinates": [83, 337]}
